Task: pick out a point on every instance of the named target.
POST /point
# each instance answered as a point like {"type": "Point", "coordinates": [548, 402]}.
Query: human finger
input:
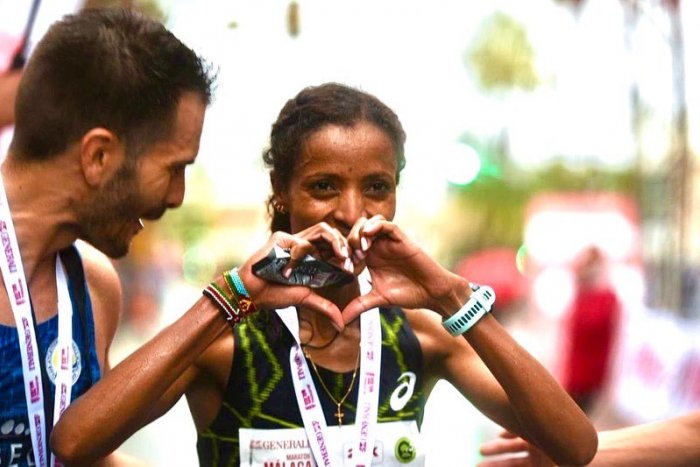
{"type": "Point", "coordinates": [369, 230]}
{"type": "Point", "coordinates": [520, 460]}
{"type": "Point", "coordinates": [297, 252]}
{"type": "Point", "coordinates": [321, 305]}
{"type": "Point", "coordinates": [361, 304]}
{"type": "Point", "coordinates": [267, 295]}
{"type": "Point", "coordinates": [296, 247]}
{"type": "Point", "coordinates": [325, 237]}
{"type": "Point", "coordinates": [502, 445]}
{"type": "Point", "coordinates": [353, 238]}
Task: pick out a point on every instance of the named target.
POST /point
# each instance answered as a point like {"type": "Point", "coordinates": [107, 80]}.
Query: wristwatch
{"type": "Point", "coordinates": [479, 303]}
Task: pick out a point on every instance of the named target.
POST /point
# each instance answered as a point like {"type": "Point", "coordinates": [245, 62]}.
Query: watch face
{"type": "Point", "coordinates": [310, 272]}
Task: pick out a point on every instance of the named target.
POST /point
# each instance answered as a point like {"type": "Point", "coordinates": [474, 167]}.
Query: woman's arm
{"type": "Point", "coordinates": [526, 397]}
{"type": "Point", "coordinates": [143, 386]}
{"type": "Point", "coordinates": [147, 383]}
{"type": "Point", "coordinates": [540, 408]}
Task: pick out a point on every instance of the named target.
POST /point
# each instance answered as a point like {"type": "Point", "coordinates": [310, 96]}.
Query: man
{"type": "Point", "coordinates": [108, 115]}
{"type": "Point", "coordinates": [670, 443]}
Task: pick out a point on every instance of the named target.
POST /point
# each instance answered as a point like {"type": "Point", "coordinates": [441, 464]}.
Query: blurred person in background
{"type": "Point", "coordinates": [306, 383]}
{"type": "Point", "coordinates": [22, 24]}
{"type": "Point", "coordinates": [108, 114]}
{"type": "Point", "coordinates": [590, 331]}
{"type": "Point", "coordinates": [668, 443]}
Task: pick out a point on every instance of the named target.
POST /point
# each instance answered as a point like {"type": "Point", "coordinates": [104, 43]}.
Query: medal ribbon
{"type": "Point", "coordinates": [18, 295]}
{"type": "Point", "coordinates": [368, 393]}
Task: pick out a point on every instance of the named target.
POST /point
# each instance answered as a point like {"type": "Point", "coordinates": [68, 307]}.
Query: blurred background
{"type": "Point", "coordinates": [551, 153]}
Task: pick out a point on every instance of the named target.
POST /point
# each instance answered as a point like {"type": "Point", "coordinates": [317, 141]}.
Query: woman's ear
{"type": "Point", "coordinates": [101, 153]}
{"type": "Point", "coordinates": [279, 195]}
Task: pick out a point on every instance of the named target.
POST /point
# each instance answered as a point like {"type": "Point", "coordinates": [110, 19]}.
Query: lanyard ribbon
{"type": "Point", "coordinates": [18, 294]}
{"type": "Point", "coordinates": [368, 393]}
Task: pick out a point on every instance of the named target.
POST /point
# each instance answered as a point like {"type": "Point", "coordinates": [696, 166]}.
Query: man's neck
{"type": "Point", "coordinates": [39, 197]}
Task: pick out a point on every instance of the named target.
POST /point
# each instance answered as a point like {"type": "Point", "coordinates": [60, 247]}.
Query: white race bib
{"type": "Point", "coordinates": [397, 444]}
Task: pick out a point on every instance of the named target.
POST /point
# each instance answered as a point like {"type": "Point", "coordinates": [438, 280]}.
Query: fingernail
{"type": "Point", "coordinates": [360, 255]}
{"type": "Point", "coordinates": [286, 273]}
{"type": "Point", "coordinates": [363, 244]}
{"type": "Point", "coordinates": [348, 265]}
{"type": "Point", "coordinates": [344, 250]}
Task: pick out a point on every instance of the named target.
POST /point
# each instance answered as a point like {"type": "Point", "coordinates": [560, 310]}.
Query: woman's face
{"type": "Point", "coordinates": [343, 173]}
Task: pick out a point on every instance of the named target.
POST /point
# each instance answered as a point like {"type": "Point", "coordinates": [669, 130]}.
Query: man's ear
{"type": "Point", "coordinates": [101, 153]}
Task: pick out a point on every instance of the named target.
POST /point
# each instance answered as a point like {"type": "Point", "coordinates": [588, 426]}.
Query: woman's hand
{"type": "Point", "coordinates": [318, 239]}
{"type": "Point", "coordinates": [402, 273]}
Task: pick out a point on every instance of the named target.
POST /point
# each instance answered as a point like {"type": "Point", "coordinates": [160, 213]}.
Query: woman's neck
{"type": "Point", "coordinates": [316, 330]}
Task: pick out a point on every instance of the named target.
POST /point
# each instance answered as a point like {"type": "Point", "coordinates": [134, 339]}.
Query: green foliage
{"type": "Point", "coordinates": [188, 224]}
{"type": "Point", "coordinates": [490, 212]}
{"type": "Point", "coordinates": [502, 56]}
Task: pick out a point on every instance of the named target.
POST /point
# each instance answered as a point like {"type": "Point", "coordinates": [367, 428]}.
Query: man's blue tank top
{"type": "Point", "coordinates": [15, 440]}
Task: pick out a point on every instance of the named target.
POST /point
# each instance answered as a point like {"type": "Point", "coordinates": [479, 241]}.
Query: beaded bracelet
{"type": "Point", "coordinates": [234, 302]}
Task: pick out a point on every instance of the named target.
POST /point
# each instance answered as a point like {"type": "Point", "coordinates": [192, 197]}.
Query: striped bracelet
{"type": "Point", "coordinates": [233, 301]}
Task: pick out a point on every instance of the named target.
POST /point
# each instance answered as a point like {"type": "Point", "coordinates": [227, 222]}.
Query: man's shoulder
{"type": "Point", "coordinates": [100, 273]}
{"type": "Point", "coordinates": [93, 259]}
{"type": "Point", "coordinates": [105, 296]}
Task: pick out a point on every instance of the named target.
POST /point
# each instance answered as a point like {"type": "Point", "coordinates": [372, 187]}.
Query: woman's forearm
{"type": "Point", "coordinates": [128, 396]}
{"type": "Point", "coordinates": [546, 414]}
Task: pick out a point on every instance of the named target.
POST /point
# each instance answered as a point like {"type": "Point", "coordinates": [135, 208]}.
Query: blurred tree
{"type": "Point", "coordinates": [490, 212]}
{"type": "Point", "coordinates": [502, 56]}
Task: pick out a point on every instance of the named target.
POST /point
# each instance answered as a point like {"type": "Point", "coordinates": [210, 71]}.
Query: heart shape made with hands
{"type": "Point", "coordinates": [401, 273]}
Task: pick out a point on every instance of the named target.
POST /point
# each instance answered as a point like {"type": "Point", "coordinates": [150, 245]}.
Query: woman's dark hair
{"type": "Point", "coordinates": [110, 68]}
{"type": "Point", "coordinates": [313, 108]}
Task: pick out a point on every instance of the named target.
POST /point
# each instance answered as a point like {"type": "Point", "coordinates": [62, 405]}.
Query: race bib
{"type": "Point", "coordinates": [397, 444]}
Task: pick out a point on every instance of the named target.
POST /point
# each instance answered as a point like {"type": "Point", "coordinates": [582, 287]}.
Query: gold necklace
{"type": "Point", "coordinates": [339, 414]}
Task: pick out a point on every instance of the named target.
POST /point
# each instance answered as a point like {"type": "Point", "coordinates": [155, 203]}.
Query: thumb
{"type": "Point", "coordinates": [361, 304]}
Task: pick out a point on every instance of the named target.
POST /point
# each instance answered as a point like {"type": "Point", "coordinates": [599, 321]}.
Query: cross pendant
{"type": "Point", "coordinates": [339, 415]}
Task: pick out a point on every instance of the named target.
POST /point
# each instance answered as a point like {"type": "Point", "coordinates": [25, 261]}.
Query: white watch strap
{"type": "Point", "coordinates": [479, 303]}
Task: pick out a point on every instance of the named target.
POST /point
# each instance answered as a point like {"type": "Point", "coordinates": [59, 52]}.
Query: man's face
{"type": "Point", "coordinates": [146, 187]}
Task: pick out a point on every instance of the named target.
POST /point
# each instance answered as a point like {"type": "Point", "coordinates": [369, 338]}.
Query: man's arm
{"type": "Point", "coordinates": [671, 443]}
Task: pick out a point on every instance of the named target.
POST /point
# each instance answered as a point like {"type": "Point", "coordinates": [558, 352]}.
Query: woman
{"type": "Point", "coordinates": [312, 381]}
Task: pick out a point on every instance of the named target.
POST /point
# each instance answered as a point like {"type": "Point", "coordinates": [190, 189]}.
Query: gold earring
{"type": "Point", "coordinates": [279, 207]}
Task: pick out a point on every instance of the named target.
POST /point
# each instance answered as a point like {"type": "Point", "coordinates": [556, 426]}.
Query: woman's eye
{"type": "Point", "coordinates": [379, 186]}
{"type": "Point", "coordinates": [322, 186]}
